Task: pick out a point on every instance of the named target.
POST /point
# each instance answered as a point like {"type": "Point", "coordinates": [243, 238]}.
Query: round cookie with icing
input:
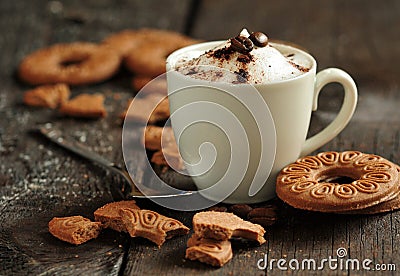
{"type": "Point", "coordinates": [312, 182]}
{"type": "Point", "coordinates": [387, 206]}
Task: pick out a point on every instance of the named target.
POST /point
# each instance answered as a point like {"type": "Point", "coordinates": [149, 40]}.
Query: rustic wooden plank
{"type": "Point", "coordinates": [39, 180]}
{"type": "Point", "coordinates": [328, 32]}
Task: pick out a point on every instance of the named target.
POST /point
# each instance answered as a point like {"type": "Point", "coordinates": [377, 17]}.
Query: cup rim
{"type": "Point", "coordinates": [210, 44]}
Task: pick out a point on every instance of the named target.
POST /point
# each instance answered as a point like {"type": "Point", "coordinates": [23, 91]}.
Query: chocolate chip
{"type": "Point", "coordinates": [259, 39]}
{"type": "Point", "coordinates": [241, 44]}
{"type": "Point", "coordinates": [241, 210]}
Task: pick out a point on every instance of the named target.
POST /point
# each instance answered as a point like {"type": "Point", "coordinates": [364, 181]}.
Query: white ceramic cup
{"type": "Point", "coordinates": [231, 142]}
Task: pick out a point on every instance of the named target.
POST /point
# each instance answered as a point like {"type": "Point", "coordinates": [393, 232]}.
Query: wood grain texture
{"type": "Point", "coordinates": [39, 181]}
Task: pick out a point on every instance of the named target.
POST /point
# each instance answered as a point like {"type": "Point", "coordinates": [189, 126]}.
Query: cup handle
{"type": "Point", "coordinates": [346, 111]}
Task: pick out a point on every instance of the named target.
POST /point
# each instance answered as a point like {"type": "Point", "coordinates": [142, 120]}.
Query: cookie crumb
{"type": "Point", "coordinates": [85, 106]}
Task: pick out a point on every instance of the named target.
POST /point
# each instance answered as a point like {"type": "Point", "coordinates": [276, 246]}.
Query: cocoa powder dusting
{"type": "Point", "coordinates": [192, 71]}
{"type": "Point", "coordinates": [223, 53]}
{"type": "Point", "coordinates": [299, 67]}
{"type": "Point", "coordinates": [245, 58]}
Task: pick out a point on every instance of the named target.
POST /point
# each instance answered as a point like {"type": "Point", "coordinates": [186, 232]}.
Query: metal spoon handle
{"type": "Point", "coordinates": [57, 137]}
{"type": "Point", "coordinates": [74, 146]}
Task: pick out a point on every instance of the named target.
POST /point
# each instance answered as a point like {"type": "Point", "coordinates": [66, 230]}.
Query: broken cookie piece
{"type": "Point", "coordinates": [151, 225]}
{"type": "Point", "coordinates": [153, 134]}
{"type": "Point", "coordinates": [85, 106]}
{"type": "Point", "coordinates": [209, 251]}
{"type": "Point", "coordinates": [47, 95]}
{"type": "Point", "coordinates": [109, 215]}
{"type": "Point", "coordinates": [162, 140]}
{"type": "Point", "coordinates": [223, 226]}
{"type": "Point", "coordinates": [169, 156]}
{"type": "Point", "coordinates": [150, 109]}
{"type": "Point", "coordinates": [75, 229]}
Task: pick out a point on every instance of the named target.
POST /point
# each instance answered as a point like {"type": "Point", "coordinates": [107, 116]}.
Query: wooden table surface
{"type": "Point", "coordinates": [39, 180]}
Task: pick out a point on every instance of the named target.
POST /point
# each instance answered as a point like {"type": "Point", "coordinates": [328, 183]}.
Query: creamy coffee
{"type": "Point", "coordinates": [236, 138]}
{"type": "Point", "coordinates": [249, 56]}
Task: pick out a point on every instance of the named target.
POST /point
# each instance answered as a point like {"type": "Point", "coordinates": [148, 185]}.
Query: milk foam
{"type": "Point", "coordinates": [261, 65]}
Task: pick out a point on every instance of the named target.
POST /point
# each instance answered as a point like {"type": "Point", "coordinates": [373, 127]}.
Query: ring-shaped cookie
{"type": "Point", "coordinates": [126, 41]}
{"type": "Point", "coordinates": [310, 184]}
{"type": "Point", "coordinates": [149, 58]}
{"type": "Point", "coordinates": [71, 63]}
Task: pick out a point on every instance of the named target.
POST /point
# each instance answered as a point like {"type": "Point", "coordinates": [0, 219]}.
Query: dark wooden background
{"type": "Point", "coordinates": [39, 181]}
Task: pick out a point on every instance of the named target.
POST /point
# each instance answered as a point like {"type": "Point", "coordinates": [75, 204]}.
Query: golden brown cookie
{"type": "Point", "coordinates": [85, 106]}
{"type": "Point", "coordinates": [167, 153]}
{"type": "Point", "coordinates": [223, 226]}
{"type": "Point", "coordinates": [169, 156]}
{"type": "Point", "coordinates": [124, 41]}
{"type": "Point", "coordinates": [149, 58]}
{"type": "Point", "coordinates": [387, 206]}
{"type": "Point", "coordinates": [209, 251]}
{"type": "Point", "coordinates": [139, 81]}
{"type": "Point", "coordinates": [109, 215]}
{"type": "Point", "coordinates": [151, 225]}
{"type": "Point", "coordinates": [47, 95]}
{"type": "Point", "coordinates": [128, 40]}
{"type": "Point", "coordinates": [310, 183]}
{"type": "Point", "coordinates": [71, 63]}
{"type": "Point", "coordinates": [75, 229]}
{"type": "Point", "coordinates": [152, 136]}
{"type": "Point", "coordinates": [150, 109]}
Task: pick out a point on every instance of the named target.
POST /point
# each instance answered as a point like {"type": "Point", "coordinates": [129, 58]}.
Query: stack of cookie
{"type": "Point", "coordinates": [210, 242]}
{"type": "Point", "coordinates": [144, 53]}
{"type": "Point", "coordinates": [348, 182]}
{"type": "Point", "coordinates": [161, 142]}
